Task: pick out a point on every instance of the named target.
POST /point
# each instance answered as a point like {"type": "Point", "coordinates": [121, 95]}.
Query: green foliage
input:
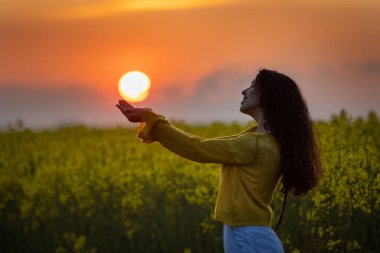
{"type": "Point", "coordinates": [88, 190]}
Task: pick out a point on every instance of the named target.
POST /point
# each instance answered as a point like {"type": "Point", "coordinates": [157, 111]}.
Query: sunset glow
{"type": "Point", "coordinates": [64, 58]}
{"type": "Point", "coordinates": [53, 10]}
{"type": "Point", "coordinates": [134, 86]}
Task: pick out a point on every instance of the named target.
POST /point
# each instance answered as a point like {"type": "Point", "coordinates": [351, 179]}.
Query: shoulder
{"type": "Point", "coordinates": [261, 140]}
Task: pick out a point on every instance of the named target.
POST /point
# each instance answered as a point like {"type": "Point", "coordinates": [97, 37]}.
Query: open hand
{"type": "Point", "coordinates": [133, 114]}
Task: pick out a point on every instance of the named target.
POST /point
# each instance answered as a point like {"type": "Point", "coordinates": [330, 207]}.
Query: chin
{"type": "Point", "coordinates": [242, 109]}
{"type": "Point", "coordinates": [248, 109]}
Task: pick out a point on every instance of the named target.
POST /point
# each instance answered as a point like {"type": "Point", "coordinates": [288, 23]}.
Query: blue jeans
{"type": "Point", "coordinates": [251, 239]}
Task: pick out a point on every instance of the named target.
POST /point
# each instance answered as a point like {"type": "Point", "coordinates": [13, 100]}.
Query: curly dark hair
{"type": "Point", "coordinates": [288, 119]}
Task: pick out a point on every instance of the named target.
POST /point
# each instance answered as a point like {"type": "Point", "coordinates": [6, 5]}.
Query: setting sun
{"type": "Point", "coordinates": [134, 86]}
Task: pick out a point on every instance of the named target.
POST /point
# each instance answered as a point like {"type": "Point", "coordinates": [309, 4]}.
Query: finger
{"type": "Point", "coordinates": [121, 108]}
{"type": "Point", "coordinates": [125, 103]}
{"type": "Point", "coordinates": [124, 109]}
{"type": "Point", "coordinates": [118, 106]}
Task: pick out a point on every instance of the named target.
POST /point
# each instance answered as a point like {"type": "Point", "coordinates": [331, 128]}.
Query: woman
{"type": "Point", "coordinates": [280, 146]}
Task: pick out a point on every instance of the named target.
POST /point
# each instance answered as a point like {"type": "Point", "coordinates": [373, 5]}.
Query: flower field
{"type": "Point", "coordinates": [80, 189]}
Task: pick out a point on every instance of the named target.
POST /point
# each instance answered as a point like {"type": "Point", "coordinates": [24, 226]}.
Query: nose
{"type": "Point", "coordinates": [244, 92]}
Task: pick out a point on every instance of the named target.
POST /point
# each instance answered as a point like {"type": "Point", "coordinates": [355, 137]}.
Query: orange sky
{"type": "Point", "coordinates": [200, 51]}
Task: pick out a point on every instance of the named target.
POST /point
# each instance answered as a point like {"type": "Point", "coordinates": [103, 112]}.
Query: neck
{"type": "Point", "coordinates": [258, 116]}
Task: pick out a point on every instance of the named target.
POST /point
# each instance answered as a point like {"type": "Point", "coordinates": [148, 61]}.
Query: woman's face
{"type": "Point", "coordinates": [250, 100]}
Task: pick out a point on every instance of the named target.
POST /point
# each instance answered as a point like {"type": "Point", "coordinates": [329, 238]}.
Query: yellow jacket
{"type": "Point", "coordinates": [250, 167]}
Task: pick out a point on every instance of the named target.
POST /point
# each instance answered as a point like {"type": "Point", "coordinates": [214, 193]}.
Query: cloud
{"type": "Point", "coordinates": [370, 67]}
{"type": "Point", "coordinates": [86, 9]}
{"type": "Point", "coordinates": [44, 106]}
{"type": "Point", "coordinates": [217, 96]}
{"type": "Point", "coordinates": [222, 86]}
{"type": "Point", "coordinates": [213, 97]}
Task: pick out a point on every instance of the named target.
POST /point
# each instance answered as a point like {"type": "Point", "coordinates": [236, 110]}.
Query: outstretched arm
{"type": "Point", "coordinates": [240, 149]}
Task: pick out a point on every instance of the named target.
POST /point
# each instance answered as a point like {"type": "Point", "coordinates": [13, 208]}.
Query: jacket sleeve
{"type": "Point", "coordinates": [239, 149]}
